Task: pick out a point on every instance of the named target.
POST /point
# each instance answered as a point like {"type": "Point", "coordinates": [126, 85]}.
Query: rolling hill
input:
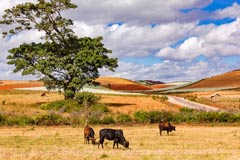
{"type": "Point", "coordinates": [226, 80]}
{"type": "Point", "coordinates": [121, 84]}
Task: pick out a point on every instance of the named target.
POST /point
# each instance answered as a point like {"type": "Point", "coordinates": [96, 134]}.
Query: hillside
{"type": "Point", "coordinates": [121, 84]}
{"type": "Point", "coordinates": [12, 84]}
{"type": "Point", "coordinates": [229, 79]}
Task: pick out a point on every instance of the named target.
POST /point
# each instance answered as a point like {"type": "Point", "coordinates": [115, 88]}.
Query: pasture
{"type": "Point", "coordinates": [65, 142]}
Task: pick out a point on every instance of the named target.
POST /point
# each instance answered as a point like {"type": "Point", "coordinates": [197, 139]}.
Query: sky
{"type": "Point", "coordinates": [168, 41]}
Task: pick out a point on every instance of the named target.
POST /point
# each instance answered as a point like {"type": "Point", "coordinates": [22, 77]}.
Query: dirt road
{"type": "Point", "coordinates": [190, 104]}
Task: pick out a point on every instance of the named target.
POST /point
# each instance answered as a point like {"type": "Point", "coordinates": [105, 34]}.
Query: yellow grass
{"type": "Point", "coordinates": [27, 102]}
{"type": "Point", "coordinates": [131, 104]}
{"type": "Point", "coordinates": [114, 80]}
{"type": "Point", "coordinates": [228, 100]}
{"type": "Point", "coordinates": [187, 142]}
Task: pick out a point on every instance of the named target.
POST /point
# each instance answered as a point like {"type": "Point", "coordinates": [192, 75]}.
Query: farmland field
{"type": "Point", "coordinates": [65, 142]}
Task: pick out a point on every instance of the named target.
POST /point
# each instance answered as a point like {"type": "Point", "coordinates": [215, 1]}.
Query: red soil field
{"type": "Point", "coordinates": [8, 85]}
{"type": "Point", "coordinates": [229, 79]}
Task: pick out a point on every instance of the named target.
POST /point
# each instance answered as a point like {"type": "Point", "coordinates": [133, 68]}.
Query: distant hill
{"type": "Point", "coordinates": [121, 84]}
{"type": "Point", "coordinates": [149, 82]}
{"type": "Point", "coordinates": [229, 79]}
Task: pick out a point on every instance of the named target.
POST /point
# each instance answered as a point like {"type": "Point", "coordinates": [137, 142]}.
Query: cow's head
{"type": "Point", "coordinates": [93, 140]}
{"type": "Point", "coordinates": [173, 128]}
{"type": "Point", "coordinates": [126, 144]}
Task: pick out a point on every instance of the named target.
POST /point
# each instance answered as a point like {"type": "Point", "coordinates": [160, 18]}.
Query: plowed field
{"type": "Point", "coordinates": [8, 85]}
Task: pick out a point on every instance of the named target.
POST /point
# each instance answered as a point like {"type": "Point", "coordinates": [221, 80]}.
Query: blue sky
{"type": "Point", "coordinates": [158, 40]}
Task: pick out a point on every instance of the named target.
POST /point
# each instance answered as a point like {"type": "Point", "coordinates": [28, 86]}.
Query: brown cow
{"type": "Point", "coordinates": [89, 135]}
{"type": "Point", "coordinates": [166, 126]}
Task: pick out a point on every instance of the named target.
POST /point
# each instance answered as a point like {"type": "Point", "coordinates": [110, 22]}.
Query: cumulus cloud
{"type": "Point", "coordinates": [171, 71]}
{"type": "Point", "coordinates": [133, 40]}
{"type": "Point", "coordinates": [139, 12]}
{"type": "Point", "coordinates": [231, 12]}
{"type": "Point", "coordinates": [139, 28]}
{"type": "Point", "coordinates": [212, 41]}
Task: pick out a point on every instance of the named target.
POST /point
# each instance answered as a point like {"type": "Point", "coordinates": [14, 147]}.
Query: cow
{"type": "Point", "coordinates": [89, 135]}
{"type": "Point", "coordinates": [113, 134]}
{"type": "Point", "coordinates": [166, 126]}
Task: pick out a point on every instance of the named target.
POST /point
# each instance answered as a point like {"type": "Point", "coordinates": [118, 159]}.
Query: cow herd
{"type": "Point", "coordinates": [116, 135]}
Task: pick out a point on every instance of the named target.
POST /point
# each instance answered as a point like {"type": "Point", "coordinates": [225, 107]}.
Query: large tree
{"type": "Point", "coordinates": [64, 60]}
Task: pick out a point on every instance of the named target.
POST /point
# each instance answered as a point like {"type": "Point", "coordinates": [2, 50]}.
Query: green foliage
{"type": "Point", "coordinates": [87, 97]}
{"type": "Point", "coordinates": [100, 108]}
{"type": "Point", "coordinates": [187, 110]}
{"type": "Point", "coordinates": [63, 105]}
{"type": "Point", "coordinates": [51, 119]}
{"type": "Point", "coordinates": [64, 60]}
{"type": "Point", "coordinates": [69, 94]}
{"type": "Point", "coordinates": [164, 98]}
{"type": "Point", "coordinates": [140, 116]}
{"type": "Point", "coordinates": [152, 116]}
{"type": "Point", "coordinates": [108, 120]}
{"type": "Point", "coordinates": [124, 118]}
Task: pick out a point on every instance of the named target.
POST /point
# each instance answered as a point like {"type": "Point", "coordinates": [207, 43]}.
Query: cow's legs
{"type": "Point", "coordinates": [160, 132]}
{"type": "Point", "coordinates": [101, 142]}
{"type": "Point", "coordinates": [115, 142]}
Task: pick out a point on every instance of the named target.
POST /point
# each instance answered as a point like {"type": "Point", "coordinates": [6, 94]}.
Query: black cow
{"type": "Point", "coordinates": [89, 135]}
{"type": "Point", "coordinates": [166, 126]}
{"type": "Point", "coordinates": [113, 134]}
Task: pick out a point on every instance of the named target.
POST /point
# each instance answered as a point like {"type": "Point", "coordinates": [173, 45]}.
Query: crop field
{"type": "Point", "coordinates": [65, 142]}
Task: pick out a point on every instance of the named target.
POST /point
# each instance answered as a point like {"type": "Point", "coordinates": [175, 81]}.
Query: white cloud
{"type": "Point", "coordinates": [232, 12]}
{"type": "Point", "coordinates": [132, 11]}
{"type": "Point", "coordinates": [170, 71]}
{"type": "Point", "coordinates": [136, 38]}
{"type": "Point", "coordinates": [133, 40]}
{"type": "Point", "coordinates": [209, 40]}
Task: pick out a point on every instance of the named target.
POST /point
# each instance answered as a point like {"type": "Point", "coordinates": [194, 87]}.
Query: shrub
{"type": "Point", "coordinates": [87, 97]}
{"type": "Point", "coordinates": [69, 105]}
{"type": "Point", "coordinates": [187, 110]}
{"type": "Point", "coordinates": [51, 119]}
{"type": "Point", "coordinates": [100, 108]}
{"type": "Point", "coordinates": [140, 116]}
{"type": "Point", "coordinates": [164, 98]}
{"type": "Point", "coordinates": [18, 120]}
{"type": "Point", "coordinates": [69, 94]}
{"type": "Point", "coordinates": [124, 118]}
{"type": "Point", "coordinates": [108, 120]}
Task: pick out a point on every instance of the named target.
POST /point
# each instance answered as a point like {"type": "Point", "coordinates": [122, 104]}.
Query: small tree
{"type": "Point", "coordinates": [64, 60]}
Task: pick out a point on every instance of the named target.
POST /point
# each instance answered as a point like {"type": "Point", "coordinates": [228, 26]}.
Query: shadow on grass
{"type": "Point", "coordinates": [118, 104]}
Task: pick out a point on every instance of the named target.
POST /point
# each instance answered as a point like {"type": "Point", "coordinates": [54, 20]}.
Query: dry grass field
{"type": "Point", "coordinates": [228, 100]}
{"type": "Point", "coordinates": [27, 102]}
{"type": "Point", "coordinates": [131, 104]}
{"type": "Point", "coordinates": [187, 142]}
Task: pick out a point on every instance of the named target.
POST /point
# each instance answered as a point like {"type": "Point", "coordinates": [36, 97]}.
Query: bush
{"type": "Point", "coordinates": [124, 118]}
{"type": "Point", "coordinates": [100, 108]}
{"type": "Point", "coordinates": [69, 94]}
{"type": "Point", "coordinates": [69, 105]}
{"type": "Point", "coordinates": [51, 119]}
{"type": "Point", "coordinates": [140, 116]}
{"type": "Point", "coordinates": [108, 120]}
{"type": "Point", "coordinates": [87, 97]}
{"type": "Point", "coordinates": [164, 98]}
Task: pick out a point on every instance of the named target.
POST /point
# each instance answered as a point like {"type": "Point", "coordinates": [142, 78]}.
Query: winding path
{"type": "Point", "coordinates": [190, 104]}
